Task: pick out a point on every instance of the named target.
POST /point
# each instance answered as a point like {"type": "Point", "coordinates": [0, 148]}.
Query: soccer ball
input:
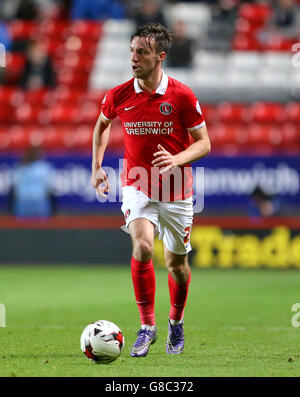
{"type": "Point", "coordinates": [102, 341]}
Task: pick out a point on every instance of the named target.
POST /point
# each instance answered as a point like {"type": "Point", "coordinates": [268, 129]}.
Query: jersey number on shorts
{"type": "Point", "coordinates": [186, 239]}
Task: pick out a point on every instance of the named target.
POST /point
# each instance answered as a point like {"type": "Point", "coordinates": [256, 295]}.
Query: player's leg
{"type": "Point", "coordinates": [177, 265]}
{"type": "Point", "coordinates": [142, 271]}
{"type": "Point", "coordinates": [175, 224]}
{"type": "Point", "coordinates": [143, 278]}
{"type": "Point", "coordinates": [179, 278]}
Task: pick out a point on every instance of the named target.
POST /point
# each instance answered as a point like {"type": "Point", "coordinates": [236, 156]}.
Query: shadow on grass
{"type": "Point", "coordinates": [48, 356]}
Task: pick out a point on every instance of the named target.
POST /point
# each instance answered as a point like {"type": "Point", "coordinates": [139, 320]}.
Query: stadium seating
{"type": "Point", "coordinates": [63, 94]}
{"type": "Point", "coordinates": [20, 30]}
{"type": "Point", "coordinates": [267, 113]}
{"type": "Point", "coordinates": [251, 20]}
{"type": "Point", "coordinates": [14, 65]}
{"type": "Point", "coordinates": [26, 113]}
{"type": "Point", "coordinates": [5, 112]}
{"type": "Point", "coordinates": [231, 112]}
{"type": "Point", "coordinates": [249, 95]}
{"type": "Point", "coordinates": [255, 14]}
{"type": "Point", "coordinates": [290, 134]}
{"type": "Point", "coordinates": [195, 15]}
{"type": "Point", "coordinates": [245, 42]}
{"type": "Point", "coordinates": [293, 112]}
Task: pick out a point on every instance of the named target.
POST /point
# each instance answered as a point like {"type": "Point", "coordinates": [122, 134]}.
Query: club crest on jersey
{"type": "Point", "coordinates": [165, 108]}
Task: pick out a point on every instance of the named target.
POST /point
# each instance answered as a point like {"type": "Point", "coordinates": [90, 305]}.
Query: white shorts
{"type": "Point", "coordinates": [172, 220]}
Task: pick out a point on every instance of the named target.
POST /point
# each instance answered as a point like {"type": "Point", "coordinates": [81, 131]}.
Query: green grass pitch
{"type": "Point", "coordinates": [237, 322]}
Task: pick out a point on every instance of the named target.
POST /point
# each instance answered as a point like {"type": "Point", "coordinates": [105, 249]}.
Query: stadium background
{"type": "Point", "coordinates": [246, 77]}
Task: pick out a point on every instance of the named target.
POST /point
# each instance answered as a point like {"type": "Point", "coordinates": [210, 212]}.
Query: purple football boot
{"type": "Point", "coordinates": [141, 346]}
{"type": "Point", "coordinates": [175, 341]}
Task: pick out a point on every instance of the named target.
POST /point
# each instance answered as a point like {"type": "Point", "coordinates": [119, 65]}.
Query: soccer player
{"type": "Point", "coordinates": [164, 132]}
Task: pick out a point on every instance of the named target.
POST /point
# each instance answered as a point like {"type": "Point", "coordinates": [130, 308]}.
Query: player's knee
{"type": "Point", "coordinates": [177, 268]}
{"type": "Point", "coordinates": [143, 250]}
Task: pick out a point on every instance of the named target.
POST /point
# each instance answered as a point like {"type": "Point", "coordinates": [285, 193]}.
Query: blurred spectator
{"type": "Point", "coordinates": [34, 9]}
{"type": "Point", "coordinates": [48, 9]}
{"type": "Point", "coordinates": [285, 21]}
{"type": "Point", "coordinates": [9, 9]}
{"type": "Point", "coordinates": [27, 10]}
{"type": "Point", "coordinates": [225, 9]}
{"type": "Point", "coordinates": [286, 17]}
{"type": "Point", "coordinates": [263, 205]}
{"type": "Point", "coordinates": [5, 37]}
{"type": "Point", "coordinates": [181, 52]}
{"type": "Point", "coordinates": [6, 41]}
{"type": "Point", "coordinates": [19, 9]}
{"type": "Point", "coordinates": [64, 7]}
{"type": "Point", "coordinates": [38, 71]}
{"type": "Point", "coordinates": [97, 9]}
{"type": "Point", "coordinates": [149, 11]}
{"type": "Point", "coordinates": [31, 187]}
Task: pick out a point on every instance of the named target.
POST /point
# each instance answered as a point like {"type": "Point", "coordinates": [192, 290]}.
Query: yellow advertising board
{"type": "Point", "coordinates": [214, 246]}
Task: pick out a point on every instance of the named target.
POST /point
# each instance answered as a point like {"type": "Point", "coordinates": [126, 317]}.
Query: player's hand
{"type": "Point", "coordinates": [165, 159]}
{"type": "Point", "coordinates": [100, 182]}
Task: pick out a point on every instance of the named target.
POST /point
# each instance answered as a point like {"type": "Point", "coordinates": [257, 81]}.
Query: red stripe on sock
{"type": "Point", "coordinates": [143, 279]}
{"type": "Point", "coordinates": [178, 297]}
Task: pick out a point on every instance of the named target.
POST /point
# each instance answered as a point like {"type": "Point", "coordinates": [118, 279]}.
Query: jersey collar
{"type": "Point", "coordinates": [161, 89]}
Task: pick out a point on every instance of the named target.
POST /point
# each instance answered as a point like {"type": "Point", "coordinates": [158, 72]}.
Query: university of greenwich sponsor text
{"type": "Point", "coordinates": [148, 127]}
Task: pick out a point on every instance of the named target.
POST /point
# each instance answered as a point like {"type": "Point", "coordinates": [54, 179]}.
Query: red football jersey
{"type": "Point", "coordinates": [151, 119]}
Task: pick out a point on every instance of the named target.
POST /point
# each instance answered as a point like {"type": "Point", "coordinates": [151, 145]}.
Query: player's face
{"type": "Point", "coordinates": [144, 58]}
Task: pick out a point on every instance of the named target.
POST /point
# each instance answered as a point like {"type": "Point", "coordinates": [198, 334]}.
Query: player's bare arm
{"type": "Point", "coordinates": [198, 149]}
{"type": "Point", "coordinates": [100, 139]}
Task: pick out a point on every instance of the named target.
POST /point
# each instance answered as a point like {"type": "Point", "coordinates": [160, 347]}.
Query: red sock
{"type": "Point", "coordinates": [178, 297]}
{"type": "Point", "coordinates": [143, 278]}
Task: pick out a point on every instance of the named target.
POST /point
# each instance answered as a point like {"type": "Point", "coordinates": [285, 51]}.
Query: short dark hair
{"type": "Point", "coordinates": [162, 36]}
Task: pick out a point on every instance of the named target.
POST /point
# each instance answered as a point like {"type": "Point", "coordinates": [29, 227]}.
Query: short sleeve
{"type": "Point", "coordinates": [191, 111]}
{"type": "Point", "coordinates": [107, 106]}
